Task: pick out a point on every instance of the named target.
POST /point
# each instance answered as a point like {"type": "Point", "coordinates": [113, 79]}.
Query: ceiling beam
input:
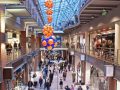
{"type": "Point", "coordinates": [91, 13]}
{"type": "Point", "coordinates": [102, 6]}
{"type": "Point", "coordinates": [88, 8]}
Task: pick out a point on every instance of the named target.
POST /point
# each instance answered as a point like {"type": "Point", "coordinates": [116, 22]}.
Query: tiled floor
{"type": "Point", "coordinates": [55, 83]}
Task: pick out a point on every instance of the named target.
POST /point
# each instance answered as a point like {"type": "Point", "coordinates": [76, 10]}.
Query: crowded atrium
{"type": "Point", "coordinates": [59, 44]}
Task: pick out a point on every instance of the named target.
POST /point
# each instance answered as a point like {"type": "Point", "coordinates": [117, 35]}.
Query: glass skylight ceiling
{"type": "Point", "coordinates": [65, 13]}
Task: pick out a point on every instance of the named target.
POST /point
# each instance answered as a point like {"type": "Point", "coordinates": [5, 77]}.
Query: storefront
{"type": "Point", "coordinates": [97, 79]}
{"type": "Point", "coordinates": [20, 72]}
{"type": "Point", "coordinates": [13, 37]}
{"type": "Point", "coordinates": [102, 38]}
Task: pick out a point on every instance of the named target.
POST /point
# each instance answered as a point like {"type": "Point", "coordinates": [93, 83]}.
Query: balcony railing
{"type": "Point", "coordinates": [102, 53]}
{"type": "Point", "coordinates": [16, 53]}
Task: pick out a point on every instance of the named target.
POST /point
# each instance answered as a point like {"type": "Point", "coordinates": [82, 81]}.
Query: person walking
{"type": "Point", "coordinates": [61, 68]}
{"type": "Point", "coordinates": [35, 80]}
{"type": "Point", "coordinates": [40, 64]}
{"type": "Point", "coordinates": [72, 87]}
{"type": "Point", "coordinates": [19, 46]}
{"type": "Point", "coordinates": [40, 81]}
{"type": "Point", "coordinates": [47, 84]}
{"type": "Point", "coordinates": [64, 75]}
{"type": "Point", "coordinates": [51, 77]}
{"type": "Point", "coordinates": [30, 84]}
{"type": "Point", "coordinates": [69, 66]}
{"type": "Point", "coordinates": [79, 88]}
{"type": "Point", "coordinates": [73, 76]}
{"type": "Point", "coordinates": [15, 46]}
{"type": "Point", "coordinates": [87, 87]}
{"type": "Point", "coordinates": [61, 84]}
{"type": "Point", "coordinates": [67, 88]}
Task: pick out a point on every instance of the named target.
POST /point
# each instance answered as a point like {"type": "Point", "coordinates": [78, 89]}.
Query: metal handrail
{"type": "Point", "coordinates": [106, 54]}
{"type": "Point", "coordinates": [22, 56]}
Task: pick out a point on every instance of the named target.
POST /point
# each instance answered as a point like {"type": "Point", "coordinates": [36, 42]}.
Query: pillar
{"type": "Point", "coordinates": [87, 46]}
{"type": "Point", "coordinates": [33, 47]}
{"type": "Point", "coordinates": [26, 72]}
{"type": "Point", "coordinates": [38, 45]}
{"type": "Point", "coordinates": [87, 73]}
{"type": "Point", "coordinates": [117, 41]}
{"type": "Point", "coordinates": [64, 54]}
{"type": "Point", "coordinates": [38, 41]}
{"type": "Point", "coordinates": [3, 55]}
{"type": "Point", "coordinates": [23, 41]}
{"type": "Point", "coordinates": [83, 71]}
{"type": "Point", "coordinates": [112, 83]}
{"type": "Point", "coordinates": [33, 42]}
{"type": "Point", "coordinates": [69, 40]}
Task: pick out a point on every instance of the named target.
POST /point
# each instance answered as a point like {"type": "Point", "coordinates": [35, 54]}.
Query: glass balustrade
{"type": "Point", "coordinates": [16, 53]}
{"type": "Point", "coordinates": [102, 53]}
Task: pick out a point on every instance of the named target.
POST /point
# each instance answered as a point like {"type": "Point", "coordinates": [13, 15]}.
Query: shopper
{"type": "Point", "coordinates": [34, 75]}
{"type": "Point", "coordinates": [10, 48]}
{"type": "Point", "coordinates": [61, 84]}
{"type": "Point", "coordinates": [87, 87]}
{"type": "Point", "coordinates": [64, 75]}
{"type": "Point", "coordinates": [35, 80]}
{"type": "Point", "coordinates": [40, 64]}
{"type": "Point", "coordinates": [19, 46]}
{"type": "Point", "coordinates": [30, 84]}
{"type": "Point", "coordinates": [51, 77]}
{"type": "Point", "coordinates": [72, 87]}
{"type": "Point", "coordinates": [15, 46]}
{"type": "Point", "coordinates": [67, 88]}
{"type": "Point", "coordinates": [47, 84]}
{"type": "Point", "coordinates": [40, 81]}
{"type": "Point", "coordinates": [61, 68]}
{"type": "Point", "coordinates": [69, 66]}
{"type": "Point", "coordinates": [73, 76]}
{"type": "Point", "coordinates": [79, 88]}
{"type": "Point", "coordinates": [67, 44]}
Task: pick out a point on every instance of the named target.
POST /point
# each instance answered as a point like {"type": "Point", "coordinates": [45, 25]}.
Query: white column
{"type": "Point", "coordinates": [87, 74]}
{"type": "Point", "coordinates": [69, 40]}
{"type": "Point", "coordinates": [87, 41]}
{"type": "Point", "coordinates": [117, 41]}
{"type": "Point", "coordinates": [75, 40]}
{"type": "Point", "coordinates": [26, 27]}
{"type": "Point", "coordinates": [118, 85]}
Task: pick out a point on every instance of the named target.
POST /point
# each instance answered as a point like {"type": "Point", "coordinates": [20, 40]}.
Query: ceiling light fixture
{"type": "Point", "coordinates": [93, 17]}
{"type": "Point", "coordinates": [110, 28]}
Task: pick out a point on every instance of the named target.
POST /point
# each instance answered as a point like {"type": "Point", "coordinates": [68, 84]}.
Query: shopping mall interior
{"type": "Point", "coordinates": [59, 44]}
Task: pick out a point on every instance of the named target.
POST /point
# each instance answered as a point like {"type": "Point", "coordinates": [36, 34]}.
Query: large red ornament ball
{"type": "Point", "coordinates": [49, 11]}
{"type": "Point", "coordinates": [44, 43]}
{"type": "Point", "coordinates": [49, 3]}
{"type": "Point", "coordinates": [49, 47]}
{"type": "Point", "coordinates": [49, 18]}
{"type": "Point", "coordinates": [47, 31]}
{"type": "Point", "coordinates": [50, 41]}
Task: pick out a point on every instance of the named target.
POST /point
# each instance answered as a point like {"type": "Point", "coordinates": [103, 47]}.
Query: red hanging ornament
{"type": "Point", "coordinates": [49, 11]}
{"type": "Point", "coordinates": [49, 3]}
